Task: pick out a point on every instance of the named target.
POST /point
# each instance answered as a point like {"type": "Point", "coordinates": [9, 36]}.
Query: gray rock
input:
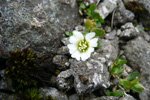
{"type": "Point", "coordinates": [3, 50]}
{"type": "Point", "coordinates": [144, 15]}
{"type": "Point", "coordinates": [106, 7]}
{"type": "Point", "coordinates": [79, 28]}
{"type": "Point", "coordinates": [137, 52]}
{"type": "Point", "coordinates": [61, 60]}
{"type": "Point", "coordinates": [111, 35]}
{"type": "Point", "coordinates": [37, 24]}
{"type": "Point", "coordinates": [106, 98]}
{"type": "Point", "coordinates": [90, 75]}
{"type": "Point", "coordinates": [65, 80]}
{"type": "Point", "coordinates": [5, 96]}
{"type": "Point", "coordinates": [63, 50]}
{"type": "Point", "coordinates": [127, 97]}
{"type": "Point", "coordinates": [74, 97]}
{"type": "Point", "coordinates": [122, 15]}
{"type": "Point", "coordinates": [89, 2]}
{"type": "Point", "coordinates": [109, 50]}
{"type": "Point", "coordinates": [145, 3]}
{"type": "Point", "coordinates": [58, 95]}
{"type": "Point", "coordinates": [128, 32]}
{"type": "Point", "coordinates": [65, 41]}
{"type": "Point", "coordinates": [107, 29]}
{"type": "Point", "coordinates": [6, 85]}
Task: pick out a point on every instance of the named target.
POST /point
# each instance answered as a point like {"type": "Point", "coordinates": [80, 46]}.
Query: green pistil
{"type": "Point", "coordinates": [82, 46]}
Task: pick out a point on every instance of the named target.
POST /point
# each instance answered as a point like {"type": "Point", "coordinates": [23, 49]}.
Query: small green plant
{"type": "Point", "coordinates": [20, 68]}
{"type": "Point", "coordinates": [33, 94]}
{"type": "Point", "coordinates": [134, 6]}
{"type": "Point", "coordinates": [131, 82]}
{"type": "Point", "coordinates": [92, 23]}
{"type": "Point", "coordinates": [49, 98]}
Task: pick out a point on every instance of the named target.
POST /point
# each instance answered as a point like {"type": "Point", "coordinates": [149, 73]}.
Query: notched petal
{"type": "Point", "coordinates": [78, 34]}
{"type": "Point", "coordinates": [93, 42]}
{"type": "Point", "coordinates": [89, 36]}
{"type": "Point", "coordinates": [76, 55]}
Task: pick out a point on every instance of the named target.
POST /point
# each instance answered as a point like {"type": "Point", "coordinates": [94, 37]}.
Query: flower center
{"type": "Point", "coordinates": [82, 46]}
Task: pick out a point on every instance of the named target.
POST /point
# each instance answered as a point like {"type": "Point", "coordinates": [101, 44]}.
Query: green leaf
{"type": "Point", "coordinates": [100, 19]}
{"type": "Point", "coordinates": [131, 76]}
{"type": "Point", "coordinates": [114, 93]}
{"type": "Point", "coordinates": [121, 62]}
{"type": "Point", "coordinates": [92, 7]}
{"type": "Point", "coordinates": [98, 32]}
{"type": "Point", "coordinates": [117, 93]}
{"type": "Point", "coordinates": [117, 60]}
{"type": "Point", "coordinates": [135, 81]}
{"type": "Point", "coordinates": [117, 70]}
{"type": "Point", "coordinates": [69, 33]}
{"type": "Point", "coordinates": [98, 24]}
{"type": "Point", "coordinates": [108, 93]}
{"type": "Point", "coordinates": [98, 45]}
{"type": "Point", "coordinates": [95, 15]}
{"type": "Point", "coordinates": [82, 6]}
{"type": "Point", "coordinates": [88, 24]}
{"type": "Point", "coordinates": [89, 13]}
{"type": "Point", "coordinates": [85, 32]}
{"type": "Point", "coordinates": [137, 88]}
{"type": "Point", "coordinates": [126, 84]}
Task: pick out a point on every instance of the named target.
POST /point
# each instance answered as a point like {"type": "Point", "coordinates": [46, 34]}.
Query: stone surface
{"type": "Point", "coordinates": [109, 50]}
{"type": "Point", "coordinates": [127, 97]}
{"type": "Point", "coordinates": [89, 75]}
{"type": "Point", "coordinates": [74, 97]}
{"type": "Point", "coordinates": [111, 35]}
{"type": "Point", "coordinates": [106, 7]}
{"type": "Point", "coordinates": [38, 24]}
{"type": "Point", "coordinates": [128, 32]}
{"type": "Point", "coordinates": [89, 2]}
{"type": "Point", "coordinates": [122, 15]}
{"type": "Point", "coordinates": [61, 61]}
{"type": "Point", "coordinates": [106, 98]}
{"type": "Point", "coordinates": [3, 50]}
{"type": "Point", "coordinates": [137, 52]}
{"type": "Point", "coordinates": [49, 91]}
{"type": "Point", "coordinates": [63, 50]}
{"type": "Point", "coordinates": [5, 96]}
{"type": "Point", "coordinates": [144, 15]}
{"type": "Point", "coordinates": [65, 80]}
{"type": "Point", "coordinates": [146, 3]}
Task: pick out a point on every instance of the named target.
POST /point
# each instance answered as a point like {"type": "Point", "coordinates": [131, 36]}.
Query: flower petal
{"type": "Point", "coordinates": [84, 56]}
{"type": "Point", "coordinates": [73, 39]}
{"type": "Point", "coordinates": [89, 36]}
{"type": "Point", "coordinates": [90, 50]}
{"type": "Point", "coordinates": [76, 55]}
{"type": "Point", "coordinates": [72, 48]}
{"type": "Point", "coordinates": [93, 42]}
{"type": "Point", "coordinates": [78, 34]}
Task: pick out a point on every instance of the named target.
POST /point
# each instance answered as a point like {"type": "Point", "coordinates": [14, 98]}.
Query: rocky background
{"type": "Point", "coordinates": [41, 25]}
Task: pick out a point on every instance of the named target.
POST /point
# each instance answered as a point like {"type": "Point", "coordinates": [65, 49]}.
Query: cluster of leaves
{"type": "Point", "coordinates": [20, 66]}
{"type": "Point", "coordinates": [131, 82]}
{"type": "Point", "coordinates": [92, 22]}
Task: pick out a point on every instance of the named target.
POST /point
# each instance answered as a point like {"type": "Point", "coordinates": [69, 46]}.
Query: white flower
{"type": "Point", "coordinates": [82, 47]}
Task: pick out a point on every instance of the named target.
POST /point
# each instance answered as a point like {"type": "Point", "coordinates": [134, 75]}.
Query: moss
{"type": "Point", "coordinates": [57, 72]}
{"type": "Point", "coordinates": [31, 94]}
{"type": "Point", "coordinates": [20, 68]}
{"type": "Point", "coordinates": [133, 6]}
{"type": "Point", "coordinates": [146, 29]}
{"type": "Point", "coordinates": [49, 98]}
